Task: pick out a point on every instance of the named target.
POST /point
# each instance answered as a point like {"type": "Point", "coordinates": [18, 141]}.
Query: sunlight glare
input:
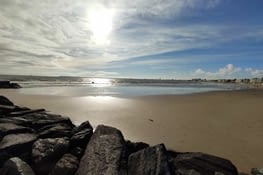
{"type": "Point", "coordinates": [100, 24]}
{"type": "Point", "coordinates": [101, 82]}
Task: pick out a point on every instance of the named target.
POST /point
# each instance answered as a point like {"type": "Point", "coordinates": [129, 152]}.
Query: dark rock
{"type": "Point", "coordinates": [5, 101]}
{"type": "Point", "coordinates": [55, 131]}
{"type": "Point", "coordinates": [67, 165]}
{"type": "Point", "coordinates": [8, 85]}
{"type": "Point", "coordinates": [15, 86]}
{"type": "Point", "coordinates": [24, 112]}
{"type": "Point", "coordinates": [257, 171]}
{"type": "Point", "coordinates": [37, 120]}
{"type": "Point", "coordinates": [77, 151]}
{"type": "Point", "coordinates": [188, 163]}
{"type": "Point", "coordinates": [46, 152]}
{"type": "Point", "coordinates": [17, 144]}
{"type": "Point", "coordinates": [105, 153]}
{"type": "Point", "coordinates": [10, 128]}
{"type": "Point", "coordinates": [81, 135]}
{"type": "Point", "coordinates": [150, 161]}
{"type": "Point", "coordinates": [4, 156]}
{"type": "Point", "coordinates": [133, 147]}
{"type": "Point", "coordinates": [16, 166]}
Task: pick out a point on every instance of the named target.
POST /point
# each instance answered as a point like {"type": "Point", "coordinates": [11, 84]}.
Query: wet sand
{"type": "Point", "coordinates": [227, 124]}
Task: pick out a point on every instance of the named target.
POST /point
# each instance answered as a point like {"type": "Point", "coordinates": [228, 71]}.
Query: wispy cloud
{"type": "Point", "coordinates": [57, 37]}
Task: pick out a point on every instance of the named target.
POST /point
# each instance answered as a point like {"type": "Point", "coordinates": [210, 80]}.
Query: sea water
{"type": "Point", "coordinates": [117, 87]}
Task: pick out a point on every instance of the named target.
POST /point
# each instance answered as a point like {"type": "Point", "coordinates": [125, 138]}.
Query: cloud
{"type": "Point", "coordinates": [56, 37]}
{"type": "Point", "coordinates": [226, 72]}
{"type": "Point", "coordinates": [255, 72]}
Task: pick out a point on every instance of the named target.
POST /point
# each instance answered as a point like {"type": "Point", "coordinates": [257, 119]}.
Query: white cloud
{"type": "Point", "coordinates": [226, 72]}
{"type": "Point", "coordinates": [255, 72]}
{"type": "Point", "coordinates": [35, 33]}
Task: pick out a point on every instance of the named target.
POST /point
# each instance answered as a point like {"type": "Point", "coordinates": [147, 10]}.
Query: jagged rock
{"type": "Point", "coordinates": [133, 147]}
{"type": "Point", "coordinates": [257, 171]}
{"type": "Point", "coordinates": [150, 161]}
{"type": "Point", "coordinates": [77, 151]}
{"type": "Point", "coordinates": [105, 153]}
{"type": "Point", "coordinates": [16, 166]}
{"type": "Point", "coordinates": [46, 152]}
{"type": "Point", "coordinates": [4, 156]}
{"type": "Point", "coordinates": [10, 128]}
{"type": "Point", "coordinates": [5, 101]}
{"type": "Point", "coordinates": [19, 112]}
{"type": "Point", "coordinates": [17, 144]}
{"type": "Point", "coordinates": [187, 163]}
{"type": "Point", "coordinates": [6, 106]}
{"type": "Point", "coordinates": [37, 120]}
{"type": "Point", "coordinates": [9, 85]}
{"type": "Point", "coordinates": [81, 135]}
{"type": "Point", "coordinates": [55, 131]}
{"type": "Point", "coordinates": [67, 165]}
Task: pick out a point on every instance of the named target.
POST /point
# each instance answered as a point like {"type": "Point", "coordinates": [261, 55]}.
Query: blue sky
{"type": "Point", "coordinates": [180, 39]}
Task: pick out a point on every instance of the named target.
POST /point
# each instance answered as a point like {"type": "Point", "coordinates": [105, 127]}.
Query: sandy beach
{"type": "Point", "coordinates": [227, 124]}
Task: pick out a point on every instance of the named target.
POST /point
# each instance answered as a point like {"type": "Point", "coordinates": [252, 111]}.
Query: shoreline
{"type": "Point", "coordinates": [223, 123]}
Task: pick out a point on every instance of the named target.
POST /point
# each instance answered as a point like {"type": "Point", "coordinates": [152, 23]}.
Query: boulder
{"type": "Point", "coordinates": [4, 156]}
{"type": "Point", "coordinates": [150, 161]}
{"type": "Point", "coordinates": [10, 128]}
{"type": "Point", "coordinates": [77, 151]}
{"type": "Point", "coordinates": [67, 165]}
{"type": "Point", "coordinates": [187, 163]}
{"type": "Point", "coordinates": [104, 154]}
{"type": "Point", "coordinates": [81, 135]}
{"type": "Point", "coordinates": [46, 152]}
{"type": "Point", "coordinates": [5, 101]}
{"type": "Point", "coordinates": [55, 131]}
{"type": "Point", "coordinates": [257, 171]}
{"type": "Point", "coordinates": [17, 144]}
{"type": "Point", "coordinates": [16, 166]}
{"type": "Point", "coordinates": [37, 120]}
{"type": "Point", "coordinates": [133, 147]}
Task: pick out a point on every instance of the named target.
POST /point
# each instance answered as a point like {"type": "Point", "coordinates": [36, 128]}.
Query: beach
{"type": "Point", "coordinates": [225, 123]}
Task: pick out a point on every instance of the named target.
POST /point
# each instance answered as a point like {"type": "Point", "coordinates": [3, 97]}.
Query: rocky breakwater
{"type": "Point", "coordinates": [36, 142]}
{"type": "Point", "coordinates": [8, 85]}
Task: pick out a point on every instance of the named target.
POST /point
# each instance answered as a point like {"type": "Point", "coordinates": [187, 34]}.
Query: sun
{"type": "Point", "coordinates": [100, 24]}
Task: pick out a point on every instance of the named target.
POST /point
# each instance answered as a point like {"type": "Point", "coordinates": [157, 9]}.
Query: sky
{"type": "Point", "coordinates": [178, 39]}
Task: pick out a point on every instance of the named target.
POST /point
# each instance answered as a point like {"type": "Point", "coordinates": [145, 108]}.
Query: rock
{"type": "Point", "coordinates": [10, 128]}
{"type": "Point", "coordinates": [9, 85]}
{"type": "Point", "coordinates": [67, 165]}
{"type": "Point", "coordinates": [105, 153]}
{"type": "Point", "coordinates": [133, 147]}
{"type": "Point", "coordinates": [257, 171]}
{"type": "Point", "coordinates": [77, 151]}
{"type": "Point", "coordinates": [46, 152]}
{"type": "Point", "coordinates": [186, 163]}
{"type": "Point", "coordinates": [16, 166]}
{"type": "Point", "coordinates": [81, 135]}
{"type": "Point", "coordinates": [17, 144]}
{"type": "Point", "coordinates": [4, 156]}
{"type": "Point", "coordinates": [150, 161]}
{"type": "Point", "coordinates": [37, 120]}
{"type": "Point", "coordinates": [55, 131]}
{"type": "Point", "coordinates": [5, 101]}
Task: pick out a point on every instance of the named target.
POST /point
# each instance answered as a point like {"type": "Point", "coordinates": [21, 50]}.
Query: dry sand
{"type": "Point", "coordinates": [226, 124]}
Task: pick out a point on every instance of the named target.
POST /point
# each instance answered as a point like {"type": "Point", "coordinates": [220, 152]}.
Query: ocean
{"type": "Point", "coordinates": [116, 87]}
